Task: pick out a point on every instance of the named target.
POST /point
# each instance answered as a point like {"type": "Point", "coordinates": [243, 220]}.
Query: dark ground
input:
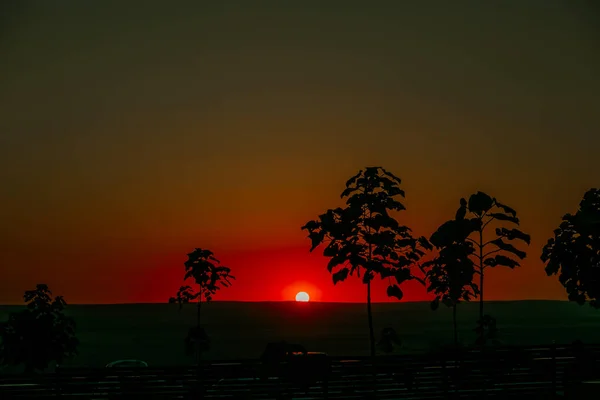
{"type": "Point", "coordinates": [155, 332]}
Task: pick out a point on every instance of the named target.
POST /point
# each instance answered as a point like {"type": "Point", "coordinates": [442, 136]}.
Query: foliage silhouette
{"type": "Point", "coordinates": [450, 274]}
{"type": "Point", "coordinates": [388, 340]}
{"type": "Point", "coordinates": [185, 295]}
{"type": "Point", "coordinates": [364, 237]}
{"type": "Point", "coordinates": [574, 252]}
{"type": "Point", "coordinates": [40, 334]}
{"type": "Point", "coordinates": [487, 330]}
{"type": "Point", "coordinates": [472, 219]}
{"type": "Point", "coordinates": [207, 272]}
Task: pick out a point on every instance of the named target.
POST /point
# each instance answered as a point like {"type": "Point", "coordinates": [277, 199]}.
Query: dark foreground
{"type": "Point", "coordinates": [502, 373]}
{"type": "Point", "coordinates": [155, 332]}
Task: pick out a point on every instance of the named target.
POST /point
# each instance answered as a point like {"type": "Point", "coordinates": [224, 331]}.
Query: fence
{"type": "Point", "coordinates": [501, 373]}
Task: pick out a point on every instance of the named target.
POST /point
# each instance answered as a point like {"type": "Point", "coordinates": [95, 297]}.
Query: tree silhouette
{"type": "Point", "coordinates": [478, 213]}
{"type": "Point", "coordinates": [185, 295]}
{"type": "Point", "coordinates": [363, 237]}
{"type": "Point", "coordinates": [40, 334]}
{"type": "Point", "coordinates": [207, 272]}
{"type": "Point", "coordinates": [450, 274]}
{"type": "Point", "coordinates": [574, 251]}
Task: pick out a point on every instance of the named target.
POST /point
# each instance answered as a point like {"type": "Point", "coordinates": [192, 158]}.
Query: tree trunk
{"type": "Point", "coordinates": [371, 340]}
{"type": "Point", "coordinates": [370, 316]}
{"type": "Point", "coordinates": [481, 337]}
{"type": "Point", "coordinates": [198, 310]}
{"type": "Point", "coordinates": [198, 347]}
{"type": "Point", "coordinates": [200, 377]}
{"type": "Point", "coordinates": [454, 324]}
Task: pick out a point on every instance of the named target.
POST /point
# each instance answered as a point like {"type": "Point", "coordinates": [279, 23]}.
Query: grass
{"type": "Point", "coordinates": [154, 332]}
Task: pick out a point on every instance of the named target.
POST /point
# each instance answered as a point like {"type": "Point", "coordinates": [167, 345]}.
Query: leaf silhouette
{"type": "Point", "coordinates": [435, 304]}
{"type": "Point", "coordinates": [395, 291]}
{"type": "Point", "coordinates": [506, 209]}
{"type": "Point", "coordinates": [402, 275]}
{"type": "Point", "coordinates": [461, 212]}
{"type": "Point", "coordinates": [504, 217]}
{"type": "Point", "coordinates": [480, 203]}
{"type": "Point", "coordinates": [508, 247]}
{"type": "Point", "coordinates": [340, 275]}
{"type": "Point", "coordinates": [424, 243]}
{"type": "Point", "coordinates": [512, 234]}
{"type": "Point", "coordinates": [452, 231]}
{"type": "Point", "coordinates": [391, 175]}
{"type": "Point", "coordinates": [352, 180]}
{"type": "Point", "coordinates": [502, 261]}
{"type": "Point", "coordinates": [311, 225]}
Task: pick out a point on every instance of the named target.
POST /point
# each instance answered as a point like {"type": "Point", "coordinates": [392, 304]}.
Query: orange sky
{"type": "Point", "coordinates": [130, 135]}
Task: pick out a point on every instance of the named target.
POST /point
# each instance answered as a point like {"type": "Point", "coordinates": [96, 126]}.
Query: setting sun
{"type": "Point", "coordinates": [302, 296]}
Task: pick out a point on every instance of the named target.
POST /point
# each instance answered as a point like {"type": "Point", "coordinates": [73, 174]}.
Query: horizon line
{"type": "Point", "coordinates": [291, 301]}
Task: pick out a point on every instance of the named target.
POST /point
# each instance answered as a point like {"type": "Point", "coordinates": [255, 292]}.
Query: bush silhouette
{"type": "Point", "coordinates": [40, 334]}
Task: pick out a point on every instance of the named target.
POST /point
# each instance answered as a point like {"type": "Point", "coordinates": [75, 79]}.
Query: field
{"type": "Point", "coordinates": [155, 332]}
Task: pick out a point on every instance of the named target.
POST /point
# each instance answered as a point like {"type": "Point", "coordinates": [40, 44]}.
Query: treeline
{"type": "Point", "coordinates": [363, 238]}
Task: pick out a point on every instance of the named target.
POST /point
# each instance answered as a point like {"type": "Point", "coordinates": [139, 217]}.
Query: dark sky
{"type": "Point", "coordinates": [132, 132]}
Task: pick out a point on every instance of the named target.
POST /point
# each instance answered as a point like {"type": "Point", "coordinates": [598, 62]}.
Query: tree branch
{"type": "Point", "coordinates": [488, 221]}
{"type": "Point", "coordinates": [475, 264]}
{"type": "Point", "coordinates": [472, 241]}
{"type": "Point", "coordinates": [488, 242]}
{"type": "Point", "coordinates": [491, 252]}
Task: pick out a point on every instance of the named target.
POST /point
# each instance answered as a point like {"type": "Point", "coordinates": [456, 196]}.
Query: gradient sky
{"type": "Point", "coordinates": [132, 132]}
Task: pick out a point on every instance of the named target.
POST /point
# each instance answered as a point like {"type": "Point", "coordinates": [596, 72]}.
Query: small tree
{"type": "Point", "coordinates": [185, 295]}
{"type": "Point", "coordinates": [208, 273]}
{"type": "Point", "coordinates": [479, 212]}
{"type": "Point", "coordinates": [363, 238]}
{"type": "Point", "coordinates": [450, 274]}
{"type": "Point", "coordinates": [40, 334]}
{"type": "Point", "coordinates": [574, 252]}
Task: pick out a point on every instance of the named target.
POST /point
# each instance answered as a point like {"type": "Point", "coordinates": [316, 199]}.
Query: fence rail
{"type": "Point", "coordinates": [502, 373]}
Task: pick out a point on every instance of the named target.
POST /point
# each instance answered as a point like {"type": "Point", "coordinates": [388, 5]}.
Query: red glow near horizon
{"type": "Point", "coordinates": [290, 292]}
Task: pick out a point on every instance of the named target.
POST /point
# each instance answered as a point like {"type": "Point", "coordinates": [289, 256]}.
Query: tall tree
{"type": "Point", "coordinates": [574, 252]}
{"type": "Point", "coordinates": [479, 211]}
{"type": "Point", "coordinates": [450, 274]}
{"type": "Point", "coordinates": [363, 238]}
{"type": "Point", "coordinates": [40, 334]}
{"type": "Point", "coordinates": [207, 272]}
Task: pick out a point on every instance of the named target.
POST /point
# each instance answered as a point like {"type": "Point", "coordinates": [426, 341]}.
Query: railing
{"type": "Point", "coordinates": [501, 373]}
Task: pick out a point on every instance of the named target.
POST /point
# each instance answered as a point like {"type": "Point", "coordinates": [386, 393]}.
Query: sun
{"type": "Point", "coordinates": [302, 296]}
